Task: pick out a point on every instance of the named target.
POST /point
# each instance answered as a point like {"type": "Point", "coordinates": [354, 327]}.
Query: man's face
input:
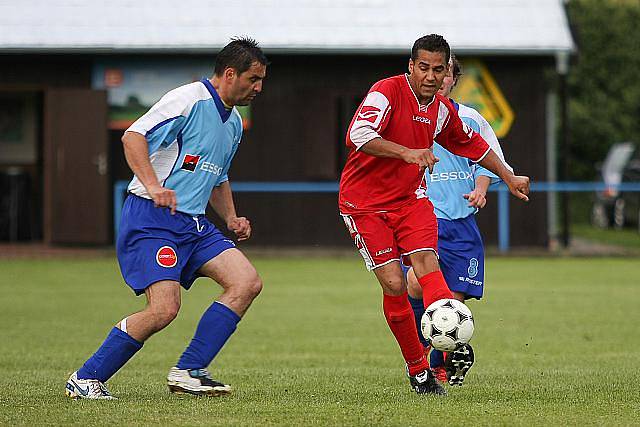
{"type": "Point", "coordinates": [246, 86]}
{"type": "Point", "coordinates": [448, 83]}
{"type": "Point", "coordinates": [427, 73]}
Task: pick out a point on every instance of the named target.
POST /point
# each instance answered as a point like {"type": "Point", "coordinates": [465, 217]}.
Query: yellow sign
{"type": "Point", "coordinates": [477, 88]}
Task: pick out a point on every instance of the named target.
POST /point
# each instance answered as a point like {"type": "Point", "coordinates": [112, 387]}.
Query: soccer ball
{"type": "Point", "coordinates": [447, 324]}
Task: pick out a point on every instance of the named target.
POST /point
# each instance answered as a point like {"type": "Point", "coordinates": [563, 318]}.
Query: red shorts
{"type": "Point", "coordinates": [386, 236]}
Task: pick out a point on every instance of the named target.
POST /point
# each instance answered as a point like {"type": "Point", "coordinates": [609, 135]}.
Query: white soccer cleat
{"type": "Point", "coordinates": [195, 381]}
{"type": "Point", "coordinates": [86, 389]}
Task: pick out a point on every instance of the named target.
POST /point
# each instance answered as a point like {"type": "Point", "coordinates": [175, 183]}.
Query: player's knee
{"type": "Point", "coordinates": [394, 287]}
{"type": "Point", "coordinates": [166, 313]}
{"type": "Point", "coordinates": [254, 286]}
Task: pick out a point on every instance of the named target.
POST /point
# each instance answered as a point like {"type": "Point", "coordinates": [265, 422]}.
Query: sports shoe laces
{"type": "Point", "coordinates": [98, 388]}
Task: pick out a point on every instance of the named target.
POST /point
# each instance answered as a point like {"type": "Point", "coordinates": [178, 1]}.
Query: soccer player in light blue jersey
{"type": "Point", "coordinates": [457, 188]}
{"type": "Point", "coordinates": [180, 152]}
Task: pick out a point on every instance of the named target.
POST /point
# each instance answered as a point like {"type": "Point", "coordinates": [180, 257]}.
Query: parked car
{"type": "Point", "coordinates": [611, 206]}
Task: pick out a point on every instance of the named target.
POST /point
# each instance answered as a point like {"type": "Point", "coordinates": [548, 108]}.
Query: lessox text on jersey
{"type": "Point", "coordinates": [451, 176]}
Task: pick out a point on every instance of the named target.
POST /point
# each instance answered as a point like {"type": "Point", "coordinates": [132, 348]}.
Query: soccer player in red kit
{"type": "Point", "coordinates": [382, 195]}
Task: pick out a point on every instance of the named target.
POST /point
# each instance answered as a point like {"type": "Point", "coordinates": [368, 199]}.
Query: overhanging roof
{"type": "Point", "coordinates": [313, 26]}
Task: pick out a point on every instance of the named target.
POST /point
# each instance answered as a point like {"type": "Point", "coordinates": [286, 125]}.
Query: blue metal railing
{"type": "Point", "coordinates": [120, 188]}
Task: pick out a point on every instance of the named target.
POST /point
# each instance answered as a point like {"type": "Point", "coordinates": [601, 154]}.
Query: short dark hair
{"type": "Point", "coordinates": [457, 67]}
{"type": "Point", "coordinates": [239, 55]}
{"type": "Point", "coordinates": [431, 43]}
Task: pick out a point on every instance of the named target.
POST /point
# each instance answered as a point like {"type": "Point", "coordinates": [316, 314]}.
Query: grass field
{"type": "Point", "coordinates": [626, 237]}
{"type": "Point", "coordinates": [557, 343]}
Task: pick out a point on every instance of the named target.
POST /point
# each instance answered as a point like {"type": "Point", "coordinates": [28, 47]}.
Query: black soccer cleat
{"type": "Point", "coordinates": [426, 383]}
{"type": "Point", "coordinates": [458, 363]}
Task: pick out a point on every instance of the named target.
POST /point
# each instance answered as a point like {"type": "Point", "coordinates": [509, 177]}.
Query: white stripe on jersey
{"type": "Point", "coordinates": [485, 131]}
{"type": "Point", "coordinates": [368, 120]}
{"type": "Point", "coordinates": [162, 162]}
{"type": "Point", "coordinates": [443, 119]}
{"type": "Point", "coordinates": [177, 102]}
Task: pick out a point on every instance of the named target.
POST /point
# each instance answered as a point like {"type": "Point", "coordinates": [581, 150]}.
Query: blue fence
{"type": "Point", "coordinates": [120, 188]}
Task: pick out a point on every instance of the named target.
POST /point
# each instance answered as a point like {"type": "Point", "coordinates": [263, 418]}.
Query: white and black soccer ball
{"type": "Point", "coordinates": [447, 324]}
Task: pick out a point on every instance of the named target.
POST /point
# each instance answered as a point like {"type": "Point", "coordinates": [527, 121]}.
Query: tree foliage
{"type": "Point", "coordinates": [604, 81]}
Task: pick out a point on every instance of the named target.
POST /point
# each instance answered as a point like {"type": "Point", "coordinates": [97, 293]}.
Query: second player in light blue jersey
{"type": "Point", "coordinates": [180, 152]}
{"type": "Point", "coordinates": [457, 188]}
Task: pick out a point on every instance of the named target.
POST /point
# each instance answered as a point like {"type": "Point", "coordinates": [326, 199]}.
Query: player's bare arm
{"type": "Point", "coordinates": [221, 201]}
{"type": "Point", "coordinates": [136, 151]}
{"type": "Point", "coordinates": [478, 197]}
{"type": "Point", "coordinates": [380, 147]}
{"type": "Point", "coordinates": [518, 185]}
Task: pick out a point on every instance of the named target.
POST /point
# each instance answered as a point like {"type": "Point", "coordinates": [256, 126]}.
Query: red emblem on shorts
{"type": "Point", "coordinates": [166, 257]}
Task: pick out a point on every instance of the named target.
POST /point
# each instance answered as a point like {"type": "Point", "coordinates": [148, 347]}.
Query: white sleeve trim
{"type": "Point", "coordinates": [487, 133]}
{"type": "Point", "coordinates": [483, 156]}
{"type": "Point", "coordinates": [369, 118]}
{"type": "Point", "coordinates": [175, 103]}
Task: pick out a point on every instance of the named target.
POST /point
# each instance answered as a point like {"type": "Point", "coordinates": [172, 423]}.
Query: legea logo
{"type": "Point", "coordinates": [421, 119]}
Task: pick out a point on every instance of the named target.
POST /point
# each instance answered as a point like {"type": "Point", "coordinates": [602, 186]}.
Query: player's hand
{"type": "Point", "coordinates": [163, 198]}
{"type": "Point", "coordinates": [476, 198]}
{"type": "Point", "coordinates": [424, 158]}
{"type": "Point", "coordinates": [519, 187]}
{"type": "Point", "coordinates": [240, 226]}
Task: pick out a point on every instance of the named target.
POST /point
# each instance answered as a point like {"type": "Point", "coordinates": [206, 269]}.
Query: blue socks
{"type": "Point", "coordinates": [114, 352]}
{"type": "Point", "coordinates": [418, 310]}
{"type": "Point", "coordinates": [215, 327]}
{"type": "Point", "coordinates": [436, 358]}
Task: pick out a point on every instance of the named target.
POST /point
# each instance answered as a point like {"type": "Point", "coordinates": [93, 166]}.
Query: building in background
{"type": "Point", "coordinates": [73, 75]}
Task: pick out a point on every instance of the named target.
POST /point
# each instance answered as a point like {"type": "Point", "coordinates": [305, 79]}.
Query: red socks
{"type": "Point", "coordinates": [399, 315]}
{"type": "Point", "coordinates": [434, 287]}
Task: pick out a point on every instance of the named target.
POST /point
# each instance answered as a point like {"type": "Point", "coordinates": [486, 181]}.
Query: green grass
{"type": "Point", "coordinates": [626, 237]}
{"type": "Point", "coordinates": [557, 343]}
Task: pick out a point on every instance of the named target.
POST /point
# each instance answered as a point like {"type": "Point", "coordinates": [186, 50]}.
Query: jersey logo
{"type": "Point", "coordinates": [190, 162]}
{"type": "Point", "coordinates": [421, 119]}
{"type": "Point", "coordinates": [369, 113]}
{"type": "Point", "coordinates": [82, 391]}
{"type": "Point", "coordinates": [166, 257]}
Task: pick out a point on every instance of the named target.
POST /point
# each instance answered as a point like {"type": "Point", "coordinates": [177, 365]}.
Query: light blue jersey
{"type": "Point", "coordinates": [192, 139]}
{"type": "Point", "coordinates": [453, 176]}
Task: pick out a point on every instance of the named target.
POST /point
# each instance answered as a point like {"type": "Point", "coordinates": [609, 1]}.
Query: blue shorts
{"type": "Point", "coordinates": [461, 254]}
{"type": "Point", "coordinates": [154, 245]}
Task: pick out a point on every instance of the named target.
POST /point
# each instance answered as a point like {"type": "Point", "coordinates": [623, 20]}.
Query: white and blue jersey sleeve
{"type": "Point", "coordinates": [192, 140]}
{"type": "Point", "coordinates": [479, 124]}
{"type": "Point", "coordinates": [453, 176]}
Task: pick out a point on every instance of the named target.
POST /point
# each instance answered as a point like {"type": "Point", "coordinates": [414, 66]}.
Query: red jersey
{"type": "Point", "coordinates": [391, 111]}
